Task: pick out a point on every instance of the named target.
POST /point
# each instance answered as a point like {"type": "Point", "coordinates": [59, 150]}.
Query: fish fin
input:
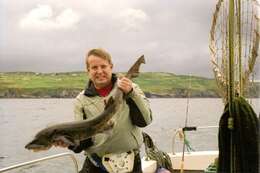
{"type": "Point", "coordinates": [108, 132]}
{"type": "Point", "coordinates": [109, 102]}
{"type": "Point", "coordinates": [134, 70]}
{"type": "Point", "coordinates": [65, 140]}
{"type": "Point", "coordinates": [107, 128]}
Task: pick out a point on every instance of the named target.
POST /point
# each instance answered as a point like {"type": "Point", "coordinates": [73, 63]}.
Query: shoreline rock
{"type": "Point", "coordinates": [72, 93]}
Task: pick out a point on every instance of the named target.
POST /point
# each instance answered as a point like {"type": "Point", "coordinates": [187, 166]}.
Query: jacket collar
{"type": "Point", "coordinates": [91, 91]}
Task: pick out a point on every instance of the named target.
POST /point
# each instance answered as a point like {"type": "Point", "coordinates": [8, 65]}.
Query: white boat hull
{"type": "Point", "coordinates": [193, 161]}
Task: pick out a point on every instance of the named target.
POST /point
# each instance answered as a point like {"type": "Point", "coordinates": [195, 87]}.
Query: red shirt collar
{"type": "Point", "coordinates": [103, 92]}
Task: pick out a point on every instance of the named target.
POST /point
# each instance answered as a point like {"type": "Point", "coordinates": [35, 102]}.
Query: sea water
{"type": "Point", "coordinates": [20, 119]}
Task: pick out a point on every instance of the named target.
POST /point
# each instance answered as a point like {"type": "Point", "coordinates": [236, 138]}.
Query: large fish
{"type": "Point", "coordinates": [72, 133]}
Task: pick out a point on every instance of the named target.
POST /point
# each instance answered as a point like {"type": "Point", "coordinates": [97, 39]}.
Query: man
{"type": "Point", "coordinates": [126, 137]}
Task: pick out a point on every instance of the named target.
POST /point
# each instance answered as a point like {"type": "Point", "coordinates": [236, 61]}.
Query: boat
{"type": "Point", "coordinates": [195, 161]}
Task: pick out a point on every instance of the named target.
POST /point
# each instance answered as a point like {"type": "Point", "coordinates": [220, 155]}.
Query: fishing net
{"type": "Point", "coordinates": [245, 47]}
{"type": "Point", "coordinates": [234, 43]}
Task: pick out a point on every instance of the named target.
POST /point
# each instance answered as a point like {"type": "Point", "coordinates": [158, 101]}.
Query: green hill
{"type": "Point", "coordinates": [68, 85]}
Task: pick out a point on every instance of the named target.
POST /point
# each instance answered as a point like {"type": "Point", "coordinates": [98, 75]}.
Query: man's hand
{"type": "Point", "coordinates": [60, 144]}
{"type": "Point", "coordinates": [125, 84]}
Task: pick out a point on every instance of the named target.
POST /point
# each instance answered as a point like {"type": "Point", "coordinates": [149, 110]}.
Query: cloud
{"type": "Point", "coordinates": [133, 19]}
{"type": "Point", "coordinates": [172, 35]}
{"type": "Point", "coordinates": [42, 18]}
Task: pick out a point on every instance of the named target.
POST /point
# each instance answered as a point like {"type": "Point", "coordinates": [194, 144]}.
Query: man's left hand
{"type": "Point", "coordinates": [125, 84]}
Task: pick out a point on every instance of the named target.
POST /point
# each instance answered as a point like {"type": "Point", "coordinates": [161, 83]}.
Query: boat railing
{"type": "Point", "coordinates": [180, 133]}
{"type": "Point", "coordinates": [70, 155]}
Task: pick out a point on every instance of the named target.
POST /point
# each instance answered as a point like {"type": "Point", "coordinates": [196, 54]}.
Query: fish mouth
{"type": "Point", "coordinates": [37, 147]}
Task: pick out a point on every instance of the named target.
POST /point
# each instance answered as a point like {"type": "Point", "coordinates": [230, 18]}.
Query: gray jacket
{"type": "Point", "coordinates": [126, 134]}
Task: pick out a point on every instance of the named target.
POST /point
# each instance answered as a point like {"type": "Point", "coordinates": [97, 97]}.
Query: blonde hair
{"type": "Point", "coordinates": [99, 53]}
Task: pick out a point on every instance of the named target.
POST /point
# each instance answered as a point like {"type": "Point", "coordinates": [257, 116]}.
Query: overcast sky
{"type": "Point", "coordinates": [54, 35]}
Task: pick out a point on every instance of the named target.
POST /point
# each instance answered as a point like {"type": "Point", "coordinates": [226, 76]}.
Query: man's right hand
{"type": "Point", "coordinates": [60, 143]}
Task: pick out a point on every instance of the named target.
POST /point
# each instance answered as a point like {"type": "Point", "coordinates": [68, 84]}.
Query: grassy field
{"type": "Point", "coordinates": [168, 83]}
{"type": "Point", "coordinates": [154, 84]}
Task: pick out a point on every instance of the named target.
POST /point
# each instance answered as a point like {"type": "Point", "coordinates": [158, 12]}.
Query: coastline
{"type": "Point", "coordinates": [72, 93]}
{"type": "Point", "coordinates": [68, 85]}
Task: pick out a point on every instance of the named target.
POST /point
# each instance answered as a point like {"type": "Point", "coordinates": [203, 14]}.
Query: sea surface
{"type": "Point", "coordinates": [20, 119]}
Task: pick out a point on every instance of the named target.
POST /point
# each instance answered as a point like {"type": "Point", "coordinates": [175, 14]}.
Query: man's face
{"type": "Point", "coordinates": [100, 71]}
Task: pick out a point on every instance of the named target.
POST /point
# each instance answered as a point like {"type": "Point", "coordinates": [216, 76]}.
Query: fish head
{"type": "Point", "coordinates": [38, 145]}
{"type": "Point", "coordinates": [40, 142]}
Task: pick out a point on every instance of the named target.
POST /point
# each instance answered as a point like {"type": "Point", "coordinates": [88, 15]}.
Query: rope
{"type": "Point", "coordinates": [183, 137]}
{"type": "Point", "coordinates": [162, 159]}
{"type": "Point", "coordinates": [187, 143]}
